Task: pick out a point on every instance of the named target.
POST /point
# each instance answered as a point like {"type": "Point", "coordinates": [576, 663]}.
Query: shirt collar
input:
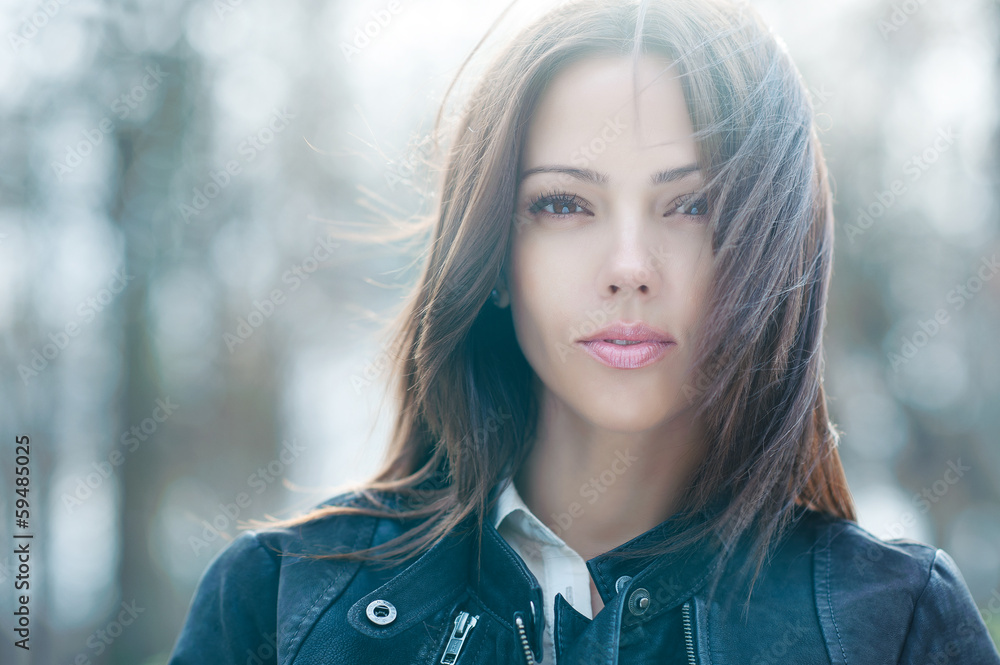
{"type": "Point", "coordinates": [670, 578]}
{"type": "Point", "coordinates": [510, 508]}
{"type": "Point", "coordinates": [508, 501]}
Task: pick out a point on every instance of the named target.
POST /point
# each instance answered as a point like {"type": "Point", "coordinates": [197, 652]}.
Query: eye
{"type": "Point", "coordinates": [557, 204]}
{"type": "Point", "coordinates": [689, 204]}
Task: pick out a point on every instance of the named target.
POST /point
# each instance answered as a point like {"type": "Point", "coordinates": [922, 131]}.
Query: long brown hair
{"type": "Point", "coordinates": [467, 399]}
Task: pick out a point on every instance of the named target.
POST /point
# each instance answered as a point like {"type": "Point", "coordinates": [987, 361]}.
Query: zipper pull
{"type": "Point", "coordinates": [529, 657]}
{"type": "Point", "coordinates": [463, 624]}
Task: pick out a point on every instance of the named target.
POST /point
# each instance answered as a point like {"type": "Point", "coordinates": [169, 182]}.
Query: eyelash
{"type": "Point", "coordinates": [561, 198]}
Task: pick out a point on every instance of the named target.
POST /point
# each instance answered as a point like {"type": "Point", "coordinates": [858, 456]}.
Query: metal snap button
{"type": "Point", "coordinates": [381, 612]}
{"type": "Point", "coordinates": [638, 602]}
{"type": "Point", "coordinates": [622, 582]}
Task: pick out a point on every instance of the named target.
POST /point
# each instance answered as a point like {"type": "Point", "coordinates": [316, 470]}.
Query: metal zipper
{"type": "Point", "coordinates": [529, 657]}
{"type": "Point", "coordinates": [463, 625]}
{"type": "Point", "coordinates": [688, 637]}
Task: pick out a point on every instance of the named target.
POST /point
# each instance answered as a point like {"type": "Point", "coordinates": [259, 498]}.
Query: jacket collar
{"type": "Point", "coordinates": [669, 579]}
{"type": "Point", "coordinates": [670, 582]}
{"type": "Point", "coordinates": [493, 572]}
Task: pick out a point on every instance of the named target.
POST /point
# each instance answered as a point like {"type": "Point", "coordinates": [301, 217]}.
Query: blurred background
{"type": "Point", "coordinates": [178, 330]}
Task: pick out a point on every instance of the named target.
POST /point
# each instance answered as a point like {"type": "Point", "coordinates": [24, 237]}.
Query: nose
{"type": "Point", "coordinates": [628, 268]}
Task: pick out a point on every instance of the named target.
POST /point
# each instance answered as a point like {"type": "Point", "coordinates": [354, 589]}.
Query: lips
{"type": "Point", "coordinates": [628, 345]}
{"type": "Point", "coordinates": [637, 331]}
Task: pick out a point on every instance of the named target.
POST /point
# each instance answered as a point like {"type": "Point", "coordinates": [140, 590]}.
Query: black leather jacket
{"type": "Point", "coordinates": [832, 593]}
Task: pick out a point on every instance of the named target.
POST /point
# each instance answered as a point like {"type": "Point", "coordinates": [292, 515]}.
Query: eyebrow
{"type": "Point", "coordinates": [598, 178]}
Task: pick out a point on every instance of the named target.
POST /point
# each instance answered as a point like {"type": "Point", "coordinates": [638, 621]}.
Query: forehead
{"type": "Point", "coordinates": [591, 112]}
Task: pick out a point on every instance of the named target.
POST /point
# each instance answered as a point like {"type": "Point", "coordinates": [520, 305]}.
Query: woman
{"type": "Point", "coordinates": [613, 442]}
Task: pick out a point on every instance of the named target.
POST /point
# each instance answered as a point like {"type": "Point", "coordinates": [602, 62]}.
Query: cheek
{"type": "Point", "coordinates": [692, 276]}
{"type": "Point", "coordinates": [700, 290]}
{"type": "Point", "coordinates": [541, 296]}
{"type": "Point", "coordinates": [531, 272]}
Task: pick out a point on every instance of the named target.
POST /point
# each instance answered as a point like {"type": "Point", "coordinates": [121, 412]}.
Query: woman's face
{"type": "Point", "coordinates": [607, 231]}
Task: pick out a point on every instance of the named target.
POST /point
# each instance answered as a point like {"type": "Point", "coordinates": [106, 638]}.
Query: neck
{"type": "Point", "coordinates": [598, 489]}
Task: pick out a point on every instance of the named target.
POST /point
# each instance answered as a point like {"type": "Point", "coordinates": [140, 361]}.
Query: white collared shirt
{"type": "Point", "coordinates": [558, 568]}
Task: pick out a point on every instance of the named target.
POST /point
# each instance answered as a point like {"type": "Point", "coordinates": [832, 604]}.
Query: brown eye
{"type": "Point", "coordinates": [691, 205]}
{"type": "Point", "coordinates": [557, 205]}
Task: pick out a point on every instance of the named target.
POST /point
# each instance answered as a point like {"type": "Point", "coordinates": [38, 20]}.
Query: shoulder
{"type": "Point", "coordinates": [848, 551]}
{"type": "Point", "coordinates": [237, 602]}
{"type": "Point", "coordinates": [840, 555]}
{"type": "Point", "coordinates": [324, 529]}
{"type": "Point", "coordinates": [850, 563]}
{"type": "Point", "coordinates": [267, 546]}
{"type": "Point", "coordinates": [900, 598]}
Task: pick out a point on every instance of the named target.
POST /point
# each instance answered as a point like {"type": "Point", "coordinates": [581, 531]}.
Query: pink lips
{"type": "Point", "coordinates": [638, 345]}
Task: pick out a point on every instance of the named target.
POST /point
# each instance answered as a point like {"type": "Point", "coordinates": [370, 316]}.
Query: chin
{"type": "Point", "coordinates": [620, 414]}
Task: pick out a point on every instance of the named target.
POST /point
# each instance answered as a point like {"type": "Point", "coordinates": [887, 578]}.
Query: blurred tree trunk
{"type": "Point", "coordinates": [141, 582]}
{"type": "Point", "coordinates": [231, 428]}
